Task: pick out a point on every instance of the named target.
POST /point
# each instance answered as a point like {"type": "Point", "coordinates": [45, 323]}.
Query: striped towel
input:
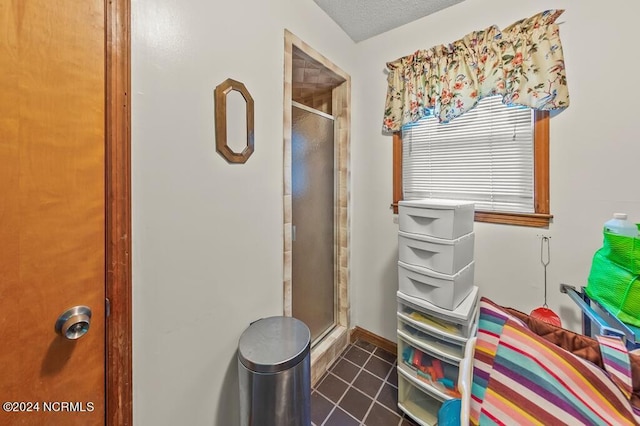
{"type": "Point", "coordinates": [522, 379]}
{"type": "Point", "coordinates": [615, 358]}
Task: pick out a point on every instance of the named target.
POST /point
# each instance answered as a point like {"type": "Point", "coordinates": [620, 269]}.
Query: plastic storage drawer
{"type": "Point", "coordinates": [438, 374]}
{"type": "Point", "coordinates": [455, 326]}
{"type": "Point", "coordinates": [453, 349]}
{"type": "Point", "coordinates": [438, 254]}
{"type": "Point", "coordinates": [449, 219]}
{"type": "Point", "coordinates": [443, 290]}
{"type": "Point", "coordinates": [413, 400]}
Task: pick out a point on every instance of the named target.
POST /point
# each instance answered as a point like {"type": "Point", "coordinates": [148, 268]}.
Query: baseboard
{"type": "Point", "coordinates": [366, 335]}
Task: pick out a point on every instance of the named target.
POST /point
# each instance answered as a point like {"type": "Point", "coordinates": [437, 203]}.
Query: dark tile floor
{"type": "Point", "coordinates": [360, 389]}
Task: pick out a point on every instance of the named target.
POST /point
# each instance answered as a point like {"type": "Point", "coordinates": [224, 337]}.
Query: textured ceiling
{"type": "Point", "coordinates": [362, 19]}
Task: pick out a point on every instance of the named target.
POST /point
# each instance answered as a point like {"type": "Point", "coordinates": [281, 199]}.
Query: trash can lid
{"type": "Point", "coordinates": [274, 344]}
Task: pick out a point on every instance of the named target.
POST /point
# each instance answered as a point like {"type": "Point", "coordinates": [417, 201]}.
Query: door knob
{"type": "Point", "coordinates": [74, 322]}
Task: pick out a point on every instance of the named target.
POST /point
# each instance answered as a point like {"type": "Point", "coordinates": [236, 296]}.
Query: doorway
{"type": "Point", "coordinates": [320, 87]}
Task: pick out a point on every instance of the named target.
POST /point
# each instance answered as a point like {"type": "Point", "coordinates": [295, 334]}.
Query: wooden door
{"type": "Point", "coordinates": [52, 209]}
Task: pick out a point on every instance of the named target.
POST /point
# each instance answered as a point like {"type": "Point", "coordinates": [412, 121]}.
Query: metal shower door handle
{"type": "Point", "coordinates": [74, 322]}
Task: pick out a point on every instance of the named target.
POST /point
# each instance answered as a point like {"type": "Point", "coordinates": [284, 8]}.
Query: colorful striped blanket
{"type": "Point", "coordinates": [519, 378]}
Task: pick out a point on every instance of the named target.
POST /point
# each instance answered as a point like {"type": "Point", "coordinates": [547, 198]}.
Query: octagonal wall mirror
{"type": "Point", "coordinates": [224, 120]}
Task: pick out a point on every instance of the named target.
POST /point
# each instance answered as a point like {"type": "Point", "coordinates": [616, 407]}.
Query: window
{"type": "Point", "coordinates": [494, 155]}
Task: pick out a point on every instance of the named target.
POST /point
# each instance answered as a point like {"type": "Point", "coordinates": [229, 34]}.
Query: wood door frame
{"type": "Point", "coordinates": [118, 383]}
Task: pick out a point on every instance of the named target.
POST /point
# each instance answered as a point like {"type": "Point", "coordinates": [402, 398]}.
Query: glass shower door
{"type": "Point", "coordinates": [313, 220]}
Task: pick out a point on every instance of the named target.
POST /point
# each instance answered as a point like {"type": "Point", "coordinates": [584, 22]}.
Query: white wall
{"type": "Point", "coordinates": [207, 243]}
{"type": "Point", "coordinates": [595, 155]}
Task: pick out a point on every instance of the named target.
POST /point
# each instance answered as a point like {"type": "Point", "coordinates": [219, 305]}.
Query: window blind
{"type": "Point", "coordinates": [485, 156]}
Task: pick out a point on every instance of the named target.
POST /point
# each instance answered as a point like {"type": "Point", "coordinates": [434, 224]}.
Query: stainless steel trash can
{"type": "Point", "coordinates": [274, 368]}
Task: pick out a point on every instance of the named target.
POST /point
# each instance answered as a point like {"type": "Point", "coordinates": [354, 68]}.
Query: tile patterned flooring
{"type": "Point", "coordinates": [360, 389]}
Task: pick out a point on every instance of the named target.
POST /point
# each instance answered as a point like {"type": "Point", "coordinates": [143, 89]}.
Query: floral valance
{"type": "Point", "coordinates": [524, 63]}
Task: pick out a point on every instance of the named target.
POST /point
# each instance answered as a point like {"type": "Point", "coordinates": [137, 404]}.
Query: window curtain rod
{"type": "Point", "coordinates": [523, 63]}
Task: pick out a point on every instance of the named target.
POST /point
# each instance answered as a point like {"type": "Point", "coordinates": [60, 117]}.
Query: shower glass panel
{"type": "Point", "coordinates": [313, 220]}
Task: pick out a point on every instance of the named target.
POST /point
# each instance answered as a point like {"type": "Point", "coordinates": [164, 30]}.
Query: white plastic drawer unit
{"type": "Point", "coordinates": [436, 376]}
{"type": "Point", "coordinates": [413, 400]}
{"type": "Point", "coordinates": [454, 326]}
{"type": "Point", "coordinates": [449, 219]}
{"type": "Point", "coordinates": [438, 254]}
{"type": "Point", "coordinates": [443, 290]}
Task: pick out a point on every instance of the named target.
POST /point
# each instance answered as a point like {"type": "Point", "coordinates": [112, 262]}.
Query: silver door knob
{"type": "Point", "coordinates": [74, 323]}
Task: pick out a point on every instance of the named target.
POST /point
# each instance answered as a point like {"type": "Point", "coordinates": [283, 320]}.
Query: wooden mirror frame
{"type": "Point", "coordinates": [221, 92]}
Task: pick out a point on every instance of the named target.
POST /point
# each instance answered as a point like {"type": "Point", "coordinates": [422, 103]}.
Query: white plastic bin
{"type": "Point", "coordinates": [414, 400]}
{"type": "Point", "coordinates": [448, 219]}
{"type": "Point", "coordinates": [438, 254]}
{"type": "Point", "coordinates": [443, 290]}
{"type": "Point", "coordinates": [455, 326]}
{"type": "Point", "coordinates": [412, 332]}
{"type": "Point", "coordinates": [450, 369]}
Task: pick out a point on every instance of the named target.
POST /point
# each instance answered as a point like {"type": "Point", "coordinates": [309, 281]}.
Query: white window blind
{"type": "Point", "coordinates": [485, 156]}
